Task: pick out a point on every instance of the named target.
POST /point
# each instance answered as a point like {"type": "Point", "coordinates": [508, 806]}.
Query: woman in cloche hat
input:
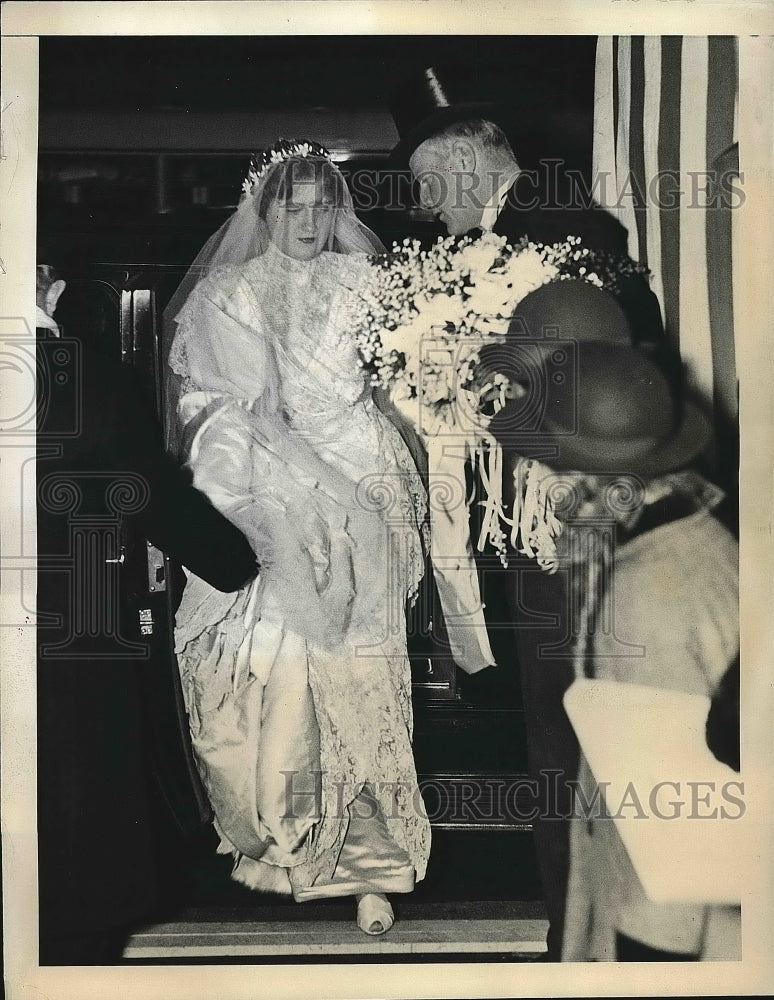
{"type": "Point", "coordinates": [642, 549]}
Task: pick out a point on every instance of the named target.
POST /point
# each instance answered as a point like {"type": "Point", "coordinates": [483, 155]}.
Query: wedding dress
{"type": "Point", "coordinates": [298, 687]}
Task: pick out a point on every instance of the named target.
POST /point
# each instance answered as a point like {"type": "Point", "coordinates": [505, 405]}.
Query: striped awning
{"type": "Point", "coordinates": [666, 163]}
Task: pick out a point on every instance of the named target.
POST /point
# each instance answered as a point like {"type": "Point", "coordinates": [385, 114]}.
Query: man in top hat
{"type": "Point", "coordinates": [654, 576]}
{"type": "Point", "coordinates": [469, 176]}
{"type": "Point", "coordinates": [471, 179]}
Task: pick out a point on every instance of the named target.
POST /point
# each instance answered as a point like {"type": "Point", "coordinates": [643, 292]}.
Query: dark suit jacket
{"type": "Point", "coordinates": [99, 450]}
{"type": "Point", "coordinates": [550, 213]}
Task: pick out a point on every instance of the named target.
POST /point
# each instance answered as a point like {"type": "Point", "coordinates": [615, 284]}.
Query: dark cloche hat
{"type": "Point", "coordinates": [614, 414]}
{"type": "Point", "coordinates": [428, 101]}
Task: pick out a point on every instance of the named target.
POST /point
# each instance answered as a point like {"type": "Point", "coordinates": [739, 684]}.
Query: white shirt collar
{"type": "Point", "coordinates": [493, 208]}
{"type": "Point", "coordinates": [43, 319]}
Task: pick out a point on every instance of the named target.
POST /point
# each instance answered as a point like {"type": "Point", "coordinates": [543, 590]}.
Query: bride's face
{"type": "Point", "coordinates": [301, 226]}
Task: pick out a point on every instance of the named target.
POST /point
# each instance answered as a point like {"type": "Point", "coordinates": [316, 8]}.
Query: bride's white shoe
{"type": "Point", "coordinates": [374, 913]}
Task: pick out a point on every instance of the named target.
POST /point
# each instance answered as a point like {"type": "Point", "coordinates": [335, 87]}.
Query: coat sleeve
{"type": "Point", "coordinates": [177, 517]}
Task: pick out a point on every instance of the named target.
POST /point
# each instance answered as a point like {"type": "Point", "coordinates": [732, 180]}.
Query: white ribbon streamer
{"type": "Point", "coordinates": [453, 562]}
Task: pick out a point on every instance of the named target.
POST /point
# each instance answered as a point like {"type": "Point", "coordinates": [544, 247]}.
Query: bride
{"type": "Point", "coordinates": [298, 686]}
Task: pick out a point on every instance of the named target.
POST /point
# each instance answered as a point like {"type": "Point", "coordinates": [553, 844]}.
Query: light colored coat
{"type": "Point", "coordinates": [675, 593]}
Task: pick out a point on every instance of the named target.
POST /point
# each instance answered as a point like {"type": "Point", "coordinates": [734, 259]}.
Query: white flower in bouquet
{"type": "Point", "coordinates": [436, 385]}
{"type": "Point", "coordinates": [481, 255]}
{"type": "Point", "coordinates": [439, 309]}
{"type": "Point", "coordinates": [490, 297]}
{"type": "Point", "coordinates": [405, 340]}
{"type": "Point", "coordinates": [526, 271]}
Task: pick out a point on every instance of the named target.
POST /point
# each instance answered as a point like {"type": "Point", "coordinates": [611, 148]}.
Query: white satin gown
{"type": "Point", "coordinates": [298, 687]}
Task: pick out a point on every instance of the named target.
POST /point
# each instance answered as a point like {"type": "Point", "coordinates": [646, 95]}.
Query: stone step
{"type": "Point", "coordinates": [523, 938]}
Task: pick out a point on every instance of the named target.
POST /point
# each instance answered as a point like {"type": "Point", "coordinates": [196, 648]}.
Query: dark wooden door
{"type": "Point", "coordinates": [112, 309]}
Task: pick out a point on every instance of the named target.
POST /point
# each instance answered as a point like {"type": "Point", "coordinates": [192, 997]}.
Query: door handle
{"type": "Point", "coordinates": [157, 573]}
{"type": "Point", "coordinates": [120, 560]}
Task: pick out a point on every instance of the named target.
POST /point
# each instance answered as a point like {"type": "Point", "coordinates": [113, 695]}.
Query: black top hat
{"type": "Point", "coordinates": [616, 414]}
{"type": "Point", "coordinates": [427, 102]}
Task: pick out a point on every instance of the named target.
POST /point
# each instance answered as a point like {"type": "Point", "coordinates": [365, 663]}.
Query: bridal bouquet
{"type": "Point", "coordinates": [425, 316]}
{"type": "Point", "coordinates": [420, 325]}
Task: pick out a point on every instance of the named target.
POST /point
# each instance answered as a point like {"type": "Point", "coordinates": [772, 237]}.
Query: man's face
{"type": "Point", "coordinates": [449, 185]}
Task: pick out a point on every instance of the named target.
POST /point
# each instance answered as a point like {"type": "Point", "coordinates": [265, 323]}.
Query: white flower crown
{"type": "Point", "coordinates": [282, 150]}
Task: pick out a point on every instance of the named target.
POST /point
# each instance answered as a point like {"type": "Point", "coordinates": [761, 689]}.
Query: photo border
{"type": "Point", "coordinates": [22, 23]}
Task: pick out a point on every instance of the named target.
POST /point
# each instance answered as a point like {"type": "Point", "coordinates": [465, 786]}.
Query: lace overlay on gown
{"type": "Point", "coordinates": [281, 433]}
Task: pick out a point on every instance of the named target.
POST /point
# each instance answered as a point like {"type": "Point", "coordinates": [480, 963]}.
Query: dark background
{"type": "Point", "coordinates": [144, 141]}
{"type": "Point", "coordinates": [245, 73]}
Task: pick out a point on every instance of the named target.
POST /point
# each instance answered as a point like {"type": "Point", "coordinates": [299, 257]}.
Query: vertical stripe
{"type": "Point", "coordinates": [650, 129]}
{"type": "Point", "coordinates": [622, 166]}
{"type": "Point", "coordinates": [723, 158]}
{"type": "Point", "coordinates": [636, 141]}
{"type": "Point", "coordinates": [721, 310]}
{"type": "Point", "coordinates": [695, 344]}
{"type": "Point", "coordinates": [721, 95]}
{"type": "Point", "coordinates": [736, 94]}
{"type": "Point", "coordinates": [603, 159]}
{"type": "Point", "coordinates": [674, 120]}
{"type": "Point", "coordinates": [615, 85]}
{"type": "Point", "coordinates": [669, 182]}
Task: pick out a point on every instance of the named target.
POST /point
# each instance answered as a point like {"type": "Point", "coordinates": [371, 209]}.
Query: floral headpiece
{"type": "Point", "coordinates": [283, 149]}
